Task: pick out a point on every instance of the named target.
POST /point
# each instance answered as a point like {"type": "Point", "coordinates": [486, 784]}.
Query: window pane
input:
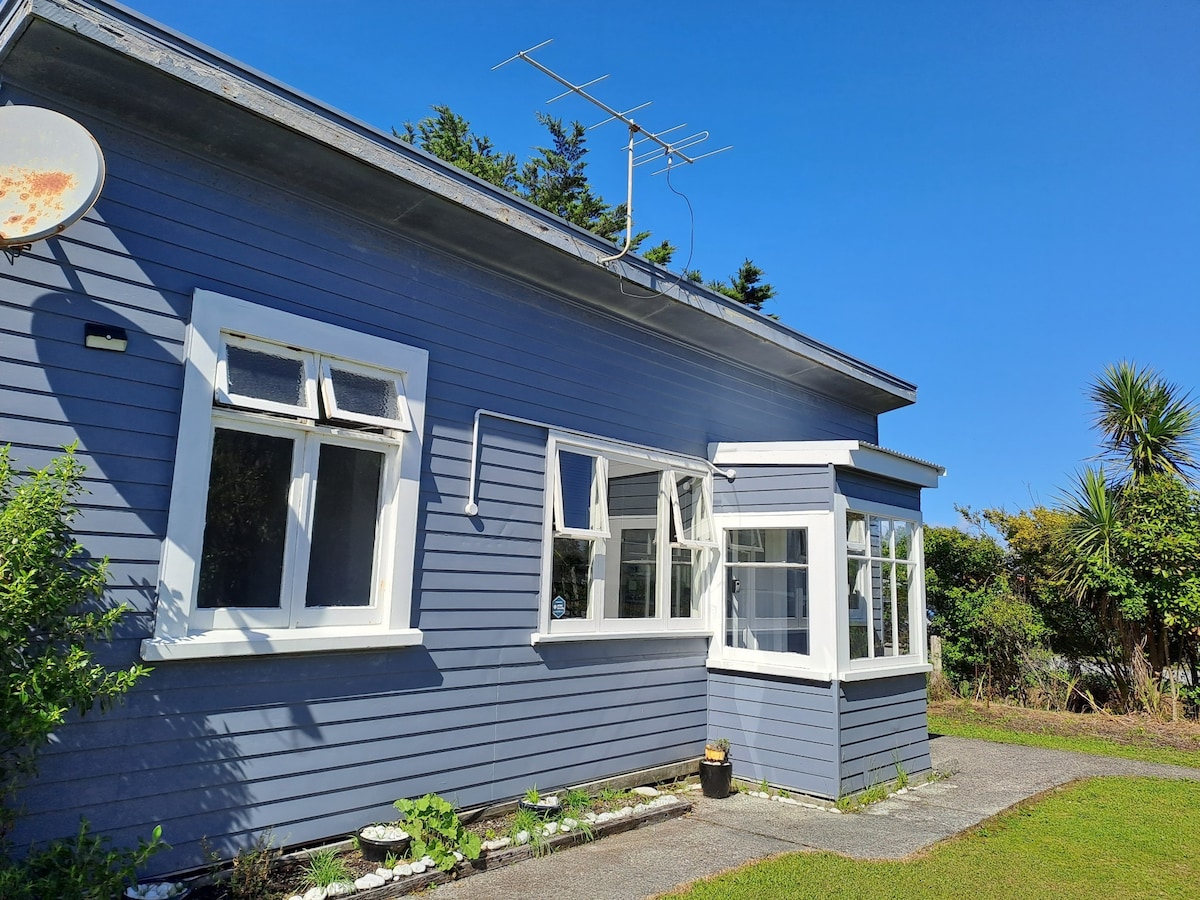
{"type": "Point", "coordinates": [246, 520]}
{"type": "Point", "coordinates": [636, 591]}
{"type": "Point", "coordinates": [856, 532]}
{"type": "Point", "coordinates": [681, 583]}
{"type": "Point", "coordinates": [886, 645]}
{"type": "Point", "coordinates": [886, 526]}
{"type": "Point", "coordinates": [576, 474]}
{"type": "Point", "coordinates": [571, 576]}
{"type": "Point", "coordinates": [856, 572]}
{"type": "Point", "coordinates": [746, 545]}
{"type": "Point", "coordinates": [796, 546]}
{"type": "Point", "coordinates": [768, 545]}
{"type": "Point", "coordinates": [903, 532]}
{"type": "Point", "coordinates": [254, 373]}
{"type": "Point", "coordinates": [692, 513]}
{"type": "Point", "coordinates": [345, 514]}
{"type": "Point", "coordinates": [364, 394]}
{"type": "Point", "coordinates": [767, 609]}
{"type": "Point", "coordinates": [877, 605]}
{"type": "Point", "coordinates": [903, 625]}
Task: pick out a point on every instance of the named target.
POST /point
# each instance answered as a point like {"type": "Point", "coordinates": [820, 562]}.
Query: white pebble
{"type": "Point", "coordinates": [339, 889]}
{"type": "Point", "coordinates": [522, 837]}
{"type": "Point", "coordinates": [385, 874]}
{"type": "Point", "coordinates": [418, 867]}
{"type": "Point", "coordinates": [646, 791]}
{"type": "Point", "coordinates": [404, 870]}
{"type": "Point", "coordinates": [316, 893]}
{"type": "Point", "coordinates": [570, 823]}
{"type": "Point", "coordinates": [368, 881]}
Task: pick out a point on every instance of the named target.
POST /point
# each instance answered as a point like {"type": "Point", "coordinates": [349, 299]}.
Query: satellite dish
{"type": "Point", "coordinates": [51, 172]}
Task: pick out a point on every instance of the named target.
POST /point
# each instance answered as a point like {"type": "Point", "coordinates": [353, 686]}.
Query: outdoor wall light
{"type": "Point", "coordinates": [105, 337]}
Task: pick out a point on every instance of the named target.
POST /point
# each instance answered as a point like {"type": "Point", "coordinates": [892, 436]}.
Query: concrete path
{"type": "Point", "coordinates": [721, 834]}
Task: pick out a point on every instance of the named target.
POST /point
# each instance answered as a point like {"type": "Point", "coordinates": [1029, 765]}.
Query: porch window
{"type": "Point", "coordinates": [881, 567]}
{"type": "Point", "coordinates": [767, 598]}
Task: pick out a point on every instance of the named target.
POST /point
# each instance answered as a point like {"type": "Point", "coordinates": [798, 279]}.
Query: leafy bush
{"type": "Point", "coordinates": [46, 586]}
{"type": "Point", "coordinates": [437, 831]}
{"type": "Point", "coordinates": [81, 868]}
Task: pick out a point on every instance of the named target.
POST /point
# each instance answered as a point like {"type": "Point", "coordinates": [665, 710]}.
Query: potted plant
{"type": "Point", "coordinates": [377, 842]}
{"type": "Point", "coordinates": [542, 806]}
{"type": "Point", "coordinates": [716, 770]}
{"type": "Point", "coordinates": [717, 751]}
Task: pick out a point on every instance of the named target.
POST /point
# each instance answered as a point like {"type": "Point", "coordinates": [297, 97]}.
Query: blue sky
{"type": "Point", "coordinates": [991, 200]}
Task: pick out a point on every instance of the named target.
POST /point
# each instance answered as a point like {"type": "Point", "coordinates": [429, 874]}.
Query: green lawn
{"type": "Point", "coordinates": [961, 726]}
{"type": "Point", "coordinates": [1108, 837]}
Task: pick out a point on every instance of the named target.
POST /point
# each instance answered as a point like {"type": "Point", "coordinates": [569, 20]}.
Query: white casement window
{"type": "Point", "coordinates": [293, 507]}
{"type": "Point", "coordinates": [777, 584]}
{"type": "Point", "coordinates": [631, 545]}
{"type": "Point", "coordinates": [883, 587]}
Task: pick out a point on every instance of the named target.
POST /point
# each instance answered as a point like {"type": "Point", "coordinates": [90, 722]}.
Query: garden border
{"type": "Point", "coordinates": [507, 856]}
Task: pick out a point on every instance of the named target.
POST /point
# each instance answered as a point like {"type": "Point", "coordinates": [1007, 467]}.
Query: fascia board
{"type": "Point", "coordinates": [845, 454]}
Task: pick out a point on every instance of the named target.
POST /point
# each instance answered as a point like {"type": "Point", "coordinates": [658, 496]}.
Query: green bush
{"type": "Point", "coordinates": [49, 612]}
{"type": "Point", "coordinates": [81, 868]}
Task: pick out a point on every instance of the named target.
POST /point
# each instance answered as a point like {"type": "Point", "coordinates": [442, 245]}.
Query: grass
{"type": "Point", "coordinates": [963, 724]}
{"type": "Point", "coordinates": [1108, 837]}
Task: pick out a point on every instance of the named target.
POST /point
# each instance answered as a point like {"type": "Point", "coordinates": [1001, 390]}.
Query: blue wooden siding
{"type": "Point", "coordinates": [783, 730]}
{"type": "Point", "coordinates": [860, 486]}
{"type": "Point", "coordinates": [315, 745]}
{"type": "Point", "coordinates": [882, 724]}
{"type": "Point", "coordinates": [774, 489]}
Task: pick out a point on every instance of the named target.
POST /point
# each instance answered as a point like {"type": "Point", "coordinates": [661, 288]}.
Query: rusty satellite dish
{"type": "Point", "coordinates": [51, 172]}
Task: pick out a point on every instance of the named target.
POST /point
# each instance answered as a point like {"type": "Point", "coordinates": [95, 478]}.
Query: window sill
{"type": "Point", "coordinates": [890, 671]}
{"type": "Point", "coordinates": [271, 642]}
{"type": "Point", "coordinates": [777, 670]}
{"type": "Point", "coordinates": [566, 637]}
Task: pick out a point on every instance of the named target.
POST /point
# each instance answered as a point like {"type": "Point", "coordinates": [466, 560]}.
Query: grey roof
{"type": "Point", "coordinates": [117, 63]}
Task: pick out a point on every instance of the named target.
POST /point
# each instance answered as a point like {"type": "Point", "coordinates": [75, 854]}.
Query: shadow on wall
{"type": "Point", "coordinates": [156, 758]}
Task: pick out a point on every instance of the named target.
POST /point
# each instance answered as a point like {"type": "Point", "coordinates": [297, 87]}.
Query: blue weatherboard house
{"type": "Point", "coordinates": [408, 491]}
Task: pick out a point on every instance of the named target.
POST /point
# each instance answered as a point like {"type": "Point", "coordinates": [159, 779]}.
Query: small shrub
{"type": "Point", "coordinates": [324, 867]}
{"type": "Point", "coordinates": [48, 618]}
{"type": "Point", "coordinates": [84, 867]}
{"type": "Point", "coordinates": [250, 876]}
{"type": "Point", "coordinates": [436, 831]}
{"type": "Point", "coordinates": [532, 795]}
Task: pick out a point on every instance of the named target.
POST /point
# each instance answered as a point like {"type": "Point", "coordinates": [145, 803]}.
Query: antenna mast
{"type": "Point", "coordinates": [662, 149]}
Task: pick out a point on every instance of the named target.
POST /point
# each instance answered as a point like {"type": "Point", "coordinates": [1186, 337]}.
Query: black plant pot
{"type": "Point", "coordinates": [377, 851]}
{"type": "Point", "coordinates": [716, 778]}
{"type": "Point", "coordinates": [543, 809]}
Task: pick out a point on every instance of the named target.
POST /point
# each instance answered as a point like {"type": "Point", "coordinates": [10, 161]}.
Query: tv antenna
{"type": "Point", "coordinates": [663, 149]}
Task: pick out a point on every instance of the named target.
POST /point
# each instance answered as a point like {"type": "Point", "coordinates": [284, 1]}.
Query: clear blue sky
{"type": "Point", "coordinates": [991, 200]}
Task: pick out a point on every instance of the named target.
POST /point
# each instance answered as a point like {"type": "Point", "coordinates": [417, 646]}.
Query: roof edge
{"type": "Point", "coordinates": [128, 32]}
{"type": "Point", "coordinates": [860, 455]}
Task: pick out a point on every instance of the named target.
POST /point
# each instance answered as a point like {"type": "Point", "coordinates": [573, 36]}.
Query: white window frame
{"type": "Point", "coordinates": [228, 398]}
{"type": "Point", "coordinates": [402, 422]}
{"type": "Point", "coordinates": [820, 663]}
{"type": "Point", "coordinates": [915, 662]}
{"type": "Point", "coordinates": [596, 625]}
{"type": "Point", "coordinates": [183, 631]}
